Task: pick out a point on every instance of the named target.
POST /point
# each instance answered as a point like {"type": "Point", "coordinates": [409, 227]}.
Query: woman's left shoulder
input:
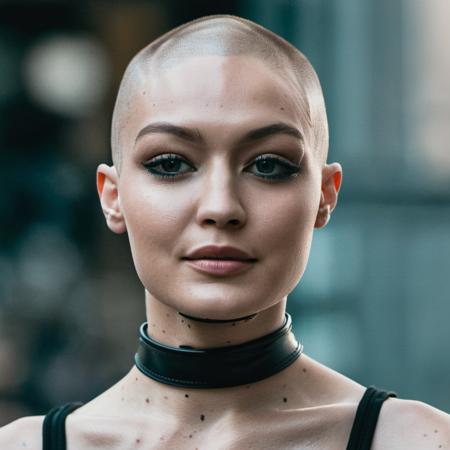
{"type": "Point", "coordinates": [411, 424]}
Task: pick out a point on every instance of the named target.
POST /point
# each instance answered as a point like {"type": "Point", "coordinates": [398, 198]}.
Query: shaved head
{"type": "Point", "coordinates": [222, 35]}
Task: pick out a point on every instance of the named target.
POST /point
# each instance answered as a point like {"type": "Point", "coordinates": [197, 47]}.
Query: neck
{"type": "Point", "coordinates": [168, 327]}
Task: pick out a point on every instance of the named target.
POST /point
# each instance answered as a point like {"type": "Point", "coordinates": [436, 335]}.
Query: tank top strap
{"type": "Point", "coordinates": [54, 426]}
{"type": "Point", "coordinates": [366, 418]}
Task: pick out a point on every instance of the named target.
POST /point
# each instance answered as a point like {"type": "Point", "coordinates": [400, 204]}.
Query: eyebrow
{"type": "Point", "coordinates": [194, 135]}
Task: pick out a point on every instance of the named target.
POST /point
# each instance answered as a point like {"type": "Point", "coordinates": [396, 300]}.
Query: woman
{"type": "Point", "coordinates": [219, 177]}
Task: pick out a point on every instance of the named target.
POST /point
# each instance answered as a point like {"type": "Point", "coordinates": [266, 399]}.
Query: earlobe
{"type": "Point", "coordinates": [108, 192]}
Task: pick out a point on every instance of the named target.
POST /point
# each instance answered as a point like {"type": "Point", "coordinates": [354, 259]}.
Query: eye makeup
{"type": "Point", "coordinates": [269, 167]}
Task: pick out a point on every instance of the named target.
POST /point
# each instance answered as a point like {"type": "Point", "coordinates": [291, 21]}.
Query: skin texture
{"type": "Point", "coordinates": [222, 198]}
{"type": "Point", "coordinates": [225, 200]}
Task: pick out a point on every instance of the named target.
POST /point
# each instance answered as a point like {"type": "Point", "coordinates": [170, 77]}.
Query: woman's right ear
{"type": "Point", "coordinates": [108, 192]}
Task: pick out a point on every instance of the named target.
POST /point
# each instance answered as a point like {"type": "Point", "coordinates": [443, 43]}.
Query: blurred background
{"type": "Point", "coordinates": [374, 302]}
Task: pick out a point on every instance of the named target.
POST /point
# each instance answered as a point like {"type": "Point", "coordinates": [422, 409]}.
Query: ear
{"type": "Point", "coordinates": [331, 183]}
{"type": "Point", "coordinates": [107, 188]}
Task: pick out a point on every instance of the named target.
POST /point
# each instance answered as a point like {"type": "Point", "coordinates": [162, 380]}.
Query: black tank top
{"type": "Point", "coordinates": [361, 435]}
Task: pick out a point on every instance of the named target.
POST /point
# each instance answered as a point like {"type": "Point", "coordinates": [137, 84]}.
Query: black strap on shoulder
{"type": "Point", "coordinates": [366, 418]}
{"type": "Point", "coordinates": [54, 430]}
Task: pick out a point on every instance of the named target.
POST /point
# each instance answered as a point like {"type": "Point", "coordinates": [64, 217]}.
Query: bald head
{"type": "Point", "coordinates": [222, 35]}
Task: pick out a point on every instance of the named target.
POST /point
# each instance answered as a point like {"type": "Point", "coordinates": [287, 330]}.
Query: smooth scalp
{"type": "Point", "coordinates": [221, 35]}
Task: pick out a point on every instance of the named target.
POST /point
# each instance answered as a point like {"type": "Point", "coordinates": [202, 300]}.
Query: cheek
{"type": "Point", "coordinates": [286, 230]}
{"type": "Point", "coordinates": [155, 219]}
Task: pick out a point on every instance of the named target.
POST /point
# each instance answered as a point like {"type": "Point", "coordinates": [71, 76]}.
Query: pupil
{"type": "Point", "coordinates": [265, 166]}
{"type": "Point", "coordinates": [171, 165]}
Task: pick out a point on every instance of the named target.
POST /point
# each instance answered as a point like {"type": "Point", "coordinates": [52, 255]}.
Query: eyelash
{"type": "Point", "coordinates": [291, 169]}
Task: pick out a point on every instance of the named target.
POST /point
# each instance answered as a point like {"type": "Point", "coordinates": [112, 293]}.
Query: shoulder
{"type": "Point", "coordinates": [25, 432]}
{"type": "Point", "coordinates": [410, 424]}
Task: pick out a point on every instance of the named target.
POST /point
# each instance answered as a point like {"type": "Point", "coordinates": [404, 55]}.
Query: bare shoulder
{"type": "Point", "coordinates": [25, 432]}
{"type": "Point", "coordinates": [411, 424]}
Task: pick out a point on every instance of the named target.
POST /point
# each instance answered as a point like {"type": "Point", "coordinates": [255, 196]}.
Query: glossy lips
{"type": "Point", "coordinates": [219, 260]}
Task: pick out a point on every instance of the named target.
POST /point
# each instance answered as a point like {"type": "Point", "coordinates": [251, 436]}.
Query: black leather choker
{"type": "Point", "coordinates": [218, 367]}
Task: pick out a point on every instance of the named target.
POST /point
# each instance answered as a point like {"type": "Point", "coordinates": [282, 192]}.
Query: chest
{"type": "Point", "coordinates": [273, 432]}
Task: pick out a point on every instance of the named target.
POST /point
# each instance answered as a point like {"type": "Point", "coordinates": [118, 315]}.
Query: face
{"type": "Point", "coordinates": [218, 188]}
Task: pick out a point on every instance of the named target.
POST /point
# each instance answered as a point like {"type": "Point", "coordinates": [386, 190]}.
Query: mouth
{"type": "Point", "coordinates": [222, 258]}
{"type": "Point", "coordinates": [220, 266]}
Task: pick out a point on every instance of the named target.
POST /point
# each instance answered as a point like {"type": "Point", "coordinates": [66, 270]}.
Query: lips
{"type": "Point", "coordinates": [220, 252]}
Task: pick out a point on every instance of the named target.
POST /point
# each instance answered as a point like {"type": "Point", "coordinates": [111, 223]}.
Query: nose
{"type": "Point", "coordinates": [219, 202]}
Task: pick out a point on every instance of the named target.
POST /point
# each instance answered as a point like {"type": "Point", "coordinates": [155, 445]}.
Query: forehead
{"type": "Point", "coordinates": [219, 89]}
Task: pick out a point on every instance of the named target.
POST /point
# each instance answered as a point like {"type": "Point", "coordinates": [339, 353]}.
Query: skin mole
{"type": "Point", "coordinates": [147, 400]}
{"type": "Point", "coordinates": [202, 417]}
{"type": "Point", "coordinates": [284, 399]}
{"type": "Point", "coordinates": [186, 395]}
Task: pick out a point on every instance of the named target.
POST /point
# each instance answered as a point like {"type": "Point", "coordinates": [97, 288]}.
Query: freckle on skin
{"type": "Point", "coordinates": [138, 441]}
{"type": "Point", "coordinates": [147, 400]}
{"type": "Point", "coordinates": [304, 370]}
{"type": "Point", "coordinates": [281, 109]}
{"type": "Point", "coordinates": [164, 331]}
{"type": "Point", "coordinates": [189, 326]}
{"type": "Point", "coordinates": [436, 431]}
{"type": "Point", "coordinates": [234, 324]}
{"type": "Point", "coordinates": [166, 398]}
{"type": "Point", "coordinates": [136, 378]}
{"type": "Point", "coordinates": [190, 436]}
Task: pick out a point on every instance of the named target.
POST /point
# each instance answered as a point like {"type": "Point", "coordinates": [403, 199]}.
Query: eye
{"type": "Point", "coordinates": [274, 168]}
{"type": "Point", "coordinates": [268, 167]}
{"type": "Point", "coordinates": [169, 163]}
